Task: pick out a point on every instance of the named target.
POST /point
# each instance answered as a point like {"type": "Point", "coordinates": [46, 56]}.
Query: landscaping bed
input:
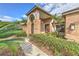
{"type": "Point", "coordinates": [41, 47]}
{"type": "Point", "coordinates": [55, 45]}
{"type": "Point", "coordinates": [11, 47]}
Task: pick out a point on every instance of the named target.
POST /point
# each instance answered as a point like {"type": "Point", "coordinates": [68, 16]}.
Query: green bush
{"type": "Point", "coordinates": [59, 46]}
{"type": "Point", "coordinates": [2, 24]}
{"type": "Point", "coordinates": [18, 33]}
{"type": "Point", "coordinates": [12, 45]}
{"type": "Point", "coordinates": [10, 28]}
{"type": "Point", "coordinates": [54, 34]}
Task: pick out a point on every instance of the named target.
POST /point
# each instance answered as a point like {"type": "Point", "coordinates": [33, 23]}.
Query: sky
{"type": "Point", "coordinates": [58, 8]}
{"type": "Point", "coordinates": [15, 11]}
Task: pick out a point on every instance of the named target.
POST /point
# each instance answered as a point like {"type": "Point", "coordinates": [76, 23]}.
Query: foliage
{"type": "Point", "coordinates": [12, 45]}
{"type": "Point", "coordinates": [59, 19]}
{"type": "Point", "coordinates": [11, 29]}
{"type": "Point", "coordinates": [18, 33]}
{"type": "Point", "coordinates": [59, 46]}
{"type": "Point", "coordinates": [24, 20]}
{"type": "Point", "coordinates": [2, 24]}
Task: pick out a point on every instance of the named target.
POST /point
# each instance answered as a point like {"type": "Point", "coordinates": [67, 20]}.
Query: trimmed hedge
{"type": "Point", "coordinates": [58, 45]}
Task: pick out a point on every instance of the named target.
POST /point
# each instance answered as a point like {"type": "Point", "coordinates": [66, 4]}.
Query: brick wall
{"type": "Point", "coordinates": [37, 26]}
{"type": "Point", "coordinates": [37, 23]}
{"type": "Point", "coordinates": [28, 27]}
{"type": "Point", "coordinates": [72, 18]}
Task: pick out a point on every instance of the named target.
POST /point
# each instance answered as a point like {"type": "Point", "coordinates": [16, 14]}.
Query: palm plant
{"type": "Point", "coordinates": [60, 25]}
{"type": "Point", "coordinates": [59, 19]}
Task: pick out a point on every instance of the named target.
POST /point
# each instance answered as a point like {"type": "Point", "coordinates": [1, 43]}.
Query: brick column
{"type": "Point", "coordinates": [29, 27]}
{"type": "Point", "coordinates": [37, 26]}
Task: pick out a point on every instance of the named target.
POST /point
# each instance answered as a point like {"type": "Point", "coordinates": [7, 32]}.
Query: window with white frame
{"type": "Point", "coordinates": [72, 26]}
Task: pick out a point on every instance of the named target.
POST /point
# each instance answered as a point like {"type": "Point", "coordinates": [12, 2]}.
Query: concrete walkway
{"type": "Point", "coordinates": [28, 48]}
{"type": "Point", "coordinates": [31, 50]}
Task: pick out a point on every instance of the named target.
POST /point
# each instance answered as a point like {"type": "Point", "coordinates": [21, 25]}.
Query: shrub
{"type": "Point", "coordinates": [2, 24]}
{"type": "Point", "coordinates": [12, 47]}
{"type": "Point", "coordinates": [59, 46]}
{"type": "Point", "coordinates": [18, 33]}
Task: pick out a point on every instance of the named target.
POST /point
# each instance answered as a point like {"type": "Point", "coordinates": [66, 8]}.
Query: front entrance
{"type": "Point", "coordinates": [47, 28]}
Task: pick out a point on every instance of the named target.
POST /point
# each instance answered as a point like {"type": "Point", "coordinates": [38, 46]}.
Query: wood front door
{"type": "Point", "coordinates": [47, 28]}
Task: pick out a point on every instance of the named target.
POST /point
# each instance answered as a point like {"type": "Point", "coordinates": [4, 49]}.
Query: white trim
{"type": "Point", "coordinates": [66, 13]}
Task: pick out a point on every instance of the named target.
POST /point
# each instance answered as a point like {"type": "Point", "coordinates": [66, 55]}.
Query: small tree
{"type": "Point", "coordinates": [0, 20]}
{"type": "Point", "coordinates": [17, 22]}
{"type": "Point", "coordinates": [60, 26]}
{"type": "Point", "coordinates": [24, 20]}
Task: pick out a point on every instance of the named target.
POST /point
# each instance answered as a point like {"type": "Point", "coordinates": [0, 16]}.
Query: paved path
{"type": "Point", "coordinates": [28, 48]}
{"type": "Point", "coordinates": [31, 50]}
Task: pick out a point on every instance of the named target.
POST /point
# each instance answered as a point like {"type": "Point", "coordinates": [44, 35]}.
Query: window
{"type": "Point", "coordinates": [72, 26]}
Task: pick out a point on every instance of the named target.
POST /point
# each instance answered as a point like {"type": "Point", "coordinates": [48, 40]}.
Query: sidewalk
{"type": "Point", "coordinates": [31, 50]}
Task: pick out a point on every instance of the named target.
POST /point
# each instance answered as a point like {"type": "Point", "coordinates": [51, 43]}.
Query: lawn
{"type": "Point", "coordinates": [18, 33]}
{"type": "Point", "coordinates": [11, 47]}
{"type": "Point", "coordinates": [10, 29]}
{"type": "Point", "coordinates": [57, 45]}
{"type": "Point", "coordinates": [2, 24]}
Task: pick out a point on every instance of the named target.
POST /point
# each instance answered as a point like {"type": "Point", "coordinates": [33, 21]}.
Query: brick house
{"type": "Point", "coordinates": [39, 21]}
{"type": "Point", "coordinates": [72, 24]}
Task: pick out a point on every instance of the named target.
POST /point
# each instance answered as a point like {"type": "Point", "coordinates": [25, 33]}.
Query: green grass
{"type": "Point", "coordinates": [2, 24]}
{"type": "Point", "coordinates": [11, 29]}
{"type": "Point", "coordinates": [12, 45]}
{"type": "Point", "coordinates": [57, 45]}
{"type": "Point", "coordinates": [18, 33]}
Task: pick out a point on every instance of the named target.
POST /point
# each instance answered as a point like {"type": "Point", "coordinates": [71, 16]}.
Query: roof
{"type": "Point", "coordinates": [39, 8]}
{"type": "Point", "coordinates": [71, 11]}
